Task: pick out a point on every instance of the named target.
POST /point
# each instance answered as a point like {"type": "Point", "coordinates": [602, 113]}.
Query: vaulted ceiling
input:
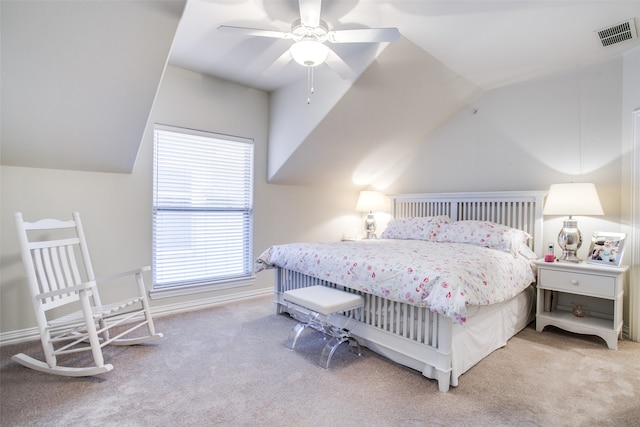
{"type": "Point", "coordinates": [490, 43]}
{"type": "Point", "coordinates": [449, 53]}
{"type": "Point", "coordinates": [90, 70]}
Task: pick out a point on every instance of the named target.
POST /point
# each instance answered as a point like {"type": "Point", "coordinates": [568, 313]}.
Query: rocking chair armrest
{"type": "Point", "coordinates": [124, 274]}
{"type": "Point", "coordinates": [91, 284]}
{"type": "Point", "coordinates": [70, 289]}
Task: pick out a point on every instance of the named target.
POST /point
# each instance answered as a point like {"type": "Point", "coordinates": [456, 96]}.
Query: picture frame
{"type": "Point", "coordinates": [606, 248]}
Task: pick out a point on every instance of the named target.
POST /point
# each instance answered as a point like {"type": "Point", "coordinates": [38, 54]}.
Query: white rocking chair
{"type": "Point", "coordinates": [49, 250]}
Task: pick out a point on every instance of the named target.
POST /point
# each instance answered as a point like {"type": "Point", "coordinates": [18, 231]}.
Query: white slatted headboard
{"type": "Point", "coordinates": [517, 209]}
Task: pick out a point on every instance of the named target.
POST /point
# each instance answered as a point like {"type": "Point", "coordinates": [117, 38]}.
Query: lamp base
{"type": "Point", "coordinates": [370, 226]}
{"type": "Point", "coordinates": [569, 257]}
{"type": "Point", "coordinates": [570, 240]}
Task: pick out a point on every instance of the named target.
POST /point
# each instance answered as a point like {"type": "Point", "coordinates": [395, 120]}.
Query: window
{"type": "Point", "coordinates": [202, 208]}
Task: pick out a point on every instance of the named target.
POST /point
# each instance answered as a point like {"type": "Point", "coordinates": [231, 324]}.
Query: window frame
{"type": "Point", "coordinates": [247, 276]}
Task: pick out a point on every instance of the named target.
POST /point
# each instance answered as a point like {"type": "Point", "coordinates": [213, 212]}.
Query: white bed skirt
{"type": "Point", "coordinates": [487, 329]}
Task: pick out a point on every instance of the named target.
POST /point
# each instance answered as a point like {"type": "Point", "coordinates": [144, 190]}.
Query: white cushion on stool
{"type": "Point", "coordinates": [324, 300]}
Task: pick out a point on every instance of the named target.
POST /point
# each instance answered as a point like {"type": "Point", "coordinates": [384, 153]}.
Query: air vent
{"type": "Point", "coordinates": [618, 33]}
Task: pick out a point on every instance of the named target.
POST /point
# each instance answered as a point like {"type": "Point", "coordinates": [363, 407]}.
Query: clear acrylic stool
{"type": "Point", "coordinates": [313, 307]}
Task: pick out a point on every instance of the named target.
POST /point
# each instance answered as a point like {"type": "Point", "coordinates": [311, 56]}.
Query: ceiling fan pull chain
{"type": "Point", "coordinates": [312, 88]}
{"type": "Point", "coordinates": [309, 83]}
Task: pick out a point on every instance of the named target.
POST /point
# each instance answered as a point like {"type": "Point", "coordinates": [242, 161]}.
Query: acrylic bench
{"type": "Point", "coordinates": [313, 307]}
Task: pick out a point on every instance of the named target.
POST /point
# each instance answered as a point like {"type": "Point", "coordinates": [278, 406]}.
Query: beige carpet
{"type": "Point", "coordinates": [228, 366]}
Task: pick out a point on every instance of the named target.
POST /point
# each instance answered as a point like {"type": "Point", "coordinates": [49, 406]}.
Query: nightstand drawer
{"type": "Point", "coordinates": [578, 283]}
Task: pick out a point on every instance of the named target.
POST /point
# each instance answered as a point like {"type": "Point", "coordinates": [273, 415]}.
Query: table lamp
{"type": "Point", "coordinates": [572, 199]}
{"type": "Point", "coordinates": [371, 201]}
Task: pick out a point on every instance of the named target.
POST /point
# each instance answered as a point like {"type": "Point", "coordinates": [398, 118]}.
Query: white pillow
{"type": "Point", "coordinates": [484, 233]}
{"type": "Point", "coordinates": [415, 228]}
{"type": "Point", "coordinates": [526, 252]}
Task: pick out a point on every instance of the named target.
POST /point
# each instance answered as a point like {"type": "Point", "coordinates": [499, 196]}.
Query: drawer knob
{"type": "Point", "coordinates": [574, 282]}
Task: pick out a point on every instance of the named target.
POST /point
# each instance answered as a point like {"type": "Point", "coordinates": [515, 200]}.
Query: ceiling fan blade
{"type": "Point", "coordinates": [279, 63]}
{"type": "Point", "coordinates": [339, 66]}
{"type": "Point", "coordinates": [310, 12]}
{"type": "Point", "coordinates": [365, 35]}
{"type": "Point", "coordinates": [254, 32]}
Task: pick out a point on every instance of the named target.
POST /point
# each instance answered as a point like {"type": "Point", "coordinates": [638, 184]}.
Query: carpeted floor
{"type": "Point", "coordinates": [228, 366]}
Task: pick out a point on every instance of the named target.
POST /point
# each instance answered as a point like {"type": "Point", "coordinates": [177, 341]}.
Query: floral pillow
{"type": "Point", "coordinates": [484, 233]}
{"type": "Point", "coordinates": [416, 228]}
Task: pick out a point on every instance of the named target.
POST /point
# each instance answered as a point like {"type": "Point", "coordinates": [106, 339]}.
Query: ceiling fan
{"type": "Point", "coordinates": [311, 34]}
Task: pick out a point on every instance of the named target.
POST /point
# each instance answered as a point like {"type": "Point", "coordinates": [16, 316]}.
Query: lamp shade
{"type": "Point", "coordinates": [372, 201]}
{"type": "Point", "coordinates": [309, 52]}
{"type": "Point", "coordinates": [573, 199]}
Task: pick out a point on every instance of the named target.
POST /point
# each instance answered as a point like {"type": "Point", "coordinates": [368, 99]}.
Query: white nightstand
{"type": "Point", "coordinates": [598, 290]}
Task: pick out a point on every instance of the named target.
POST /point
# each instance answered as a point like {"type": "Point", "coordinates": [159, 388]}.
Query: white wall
{"type": "Point", "coordinates": [562, 128]}
{"type": "Point", "coordinates": [631, 188]}
{"type": "Point", "coordinates": [526, 136]}
{"type": "Point", "coordinates": [116, 208]}
{"type": "Point", "coordinates": [113, 206]}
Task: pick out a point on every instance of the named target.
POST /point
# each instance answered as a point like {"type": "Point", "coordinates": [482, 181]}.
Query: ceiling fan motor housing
{"type": "Point", "coordinates": [304, 32]}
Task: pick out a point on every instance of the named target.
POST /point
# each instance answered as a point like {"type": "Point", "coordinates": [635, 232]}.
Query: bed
{"type": "Point", "coordinates": [445, 327]}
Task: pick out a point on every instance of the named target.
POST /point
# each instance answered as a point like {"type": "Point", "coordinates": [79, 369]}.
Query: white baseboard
{"type": "Point", "coordinates": [168, 309]}
{"type": "Point", "coordinates": [23, 335]}
{"type": "Point", "coordinates": [625, 332]}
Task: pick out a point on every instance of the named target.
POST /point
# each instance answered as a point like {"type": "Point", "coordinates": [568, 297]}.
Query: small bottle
{"type": "Point", "coordinates": [549, 256]}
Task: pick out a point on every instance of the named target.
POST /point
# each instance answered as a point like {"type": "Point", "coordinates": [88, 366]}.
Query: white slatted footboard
{"type": "Point", "coordinates": [409, 335]}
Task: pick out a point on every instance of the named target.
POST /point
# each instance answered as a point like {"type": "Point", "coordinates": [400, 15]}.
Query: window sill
{"type": "Point", "coordinates": [178, 291]}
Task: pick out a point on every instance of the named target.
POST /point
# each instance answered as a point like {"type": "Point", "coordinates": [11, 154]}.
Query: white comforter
{"type": "Point", "coordinates": [446, 277]}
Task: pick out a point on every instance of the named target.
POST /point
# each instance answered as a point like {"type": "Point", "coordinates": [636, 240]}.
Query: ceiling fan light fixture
{"type": "Point", "coordinates": [309, 53]}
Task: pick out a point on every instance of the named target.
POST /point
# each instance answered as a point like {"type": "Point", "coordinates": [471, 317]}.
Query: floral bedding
{"type": "Point", "coordinates": [444, 276]}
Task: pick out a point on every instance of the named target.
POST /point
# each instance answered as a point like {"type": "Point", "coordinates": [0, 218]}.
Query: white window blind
{"type": "Point", "coordinates": [202, 207]}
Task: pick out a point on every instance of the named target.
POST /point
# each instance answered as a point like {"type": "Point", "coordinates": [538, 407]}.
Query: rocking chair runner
{"type": "Point", "coordinates": [50, 249]}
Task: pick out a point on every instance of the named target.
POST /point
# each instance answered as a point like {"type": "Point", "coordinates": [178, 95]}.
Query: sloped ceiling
{"type": "Point", "coordinates": [401, 97]}
{"type": "Point", "coordinates": [79, 79]}
{"type": "Point", "coordinates": [450, 52]}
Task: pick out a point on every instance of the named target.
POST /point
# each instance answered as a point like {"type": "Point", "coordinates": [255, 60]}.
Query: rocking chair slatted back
{"type": "Point", "coordinates": [55, 261]}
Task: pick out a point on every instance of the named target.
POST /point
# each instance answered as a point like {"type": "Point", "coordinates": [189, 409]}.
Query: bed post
{"type": "Point", "coordinates": [538, 244]}
{"type": "Point", "coordinates": [445, 350]}
{"type": "Point", "coordinates": [277, 295]}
